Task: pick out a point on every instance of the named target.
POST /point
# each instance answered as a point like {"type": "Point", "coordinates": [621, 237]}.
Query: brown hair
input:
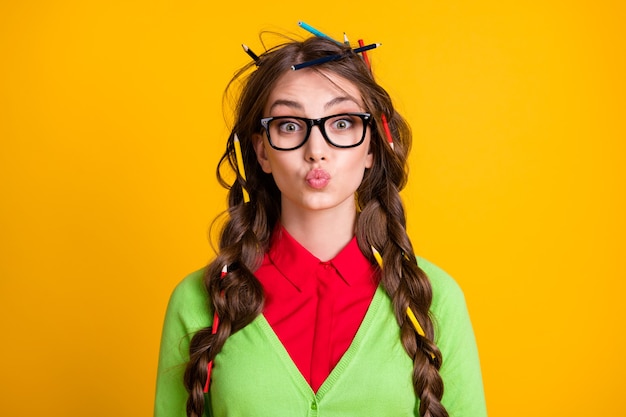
{"type": "Point", "coordinates": [238, 297]}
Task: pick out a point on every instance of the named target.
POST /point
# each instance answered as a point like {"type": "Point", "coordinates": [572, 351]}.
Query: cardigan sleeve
{"type": "Point", "coordinates": [187, 312]}
{"type": "Point", "coordinates": [463, 386]}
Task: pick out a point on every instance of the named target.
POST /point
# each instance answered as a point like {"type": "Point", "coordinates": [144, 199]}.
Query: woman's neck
{"type": "Point", "coordinates": [324, 233]}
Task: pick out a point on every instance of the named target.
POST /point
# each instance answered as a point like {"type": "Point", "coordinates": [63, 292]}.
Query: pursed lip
{"type": "Point", "coordinates": [317, 178]}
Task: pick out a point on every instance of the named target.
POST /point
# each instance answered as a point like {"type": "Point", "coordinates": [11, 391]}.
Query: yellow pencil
{"type": "Point", "coordinates": [377, 256]}
{"type": "Point", "coordinates": [240, 167]}
{"type": "Point", "coordinates": [416, 324]}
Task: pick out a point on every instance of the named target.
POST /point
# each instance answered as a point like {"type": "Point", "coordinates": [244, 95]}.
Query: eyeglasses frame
{"type": "Point", "coordinates": [365, 117]}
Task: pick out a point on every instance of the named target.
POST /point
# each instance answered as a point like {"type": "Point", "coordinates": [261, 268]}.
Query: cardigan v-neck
{"type": "Point", "coordinates": [315, 308]}
{"type": "Point", "coordinates": [254, 374]}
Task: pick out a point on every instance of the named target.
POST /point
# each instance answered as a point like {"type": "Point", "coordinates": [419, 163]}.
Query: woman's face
{"type": "Point", "coordinates": [316, 176]}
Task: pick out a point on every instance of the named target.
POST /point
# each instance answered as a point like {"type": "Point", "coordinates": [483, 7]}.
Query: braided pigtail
{"type": "Point", "coordinates": [236, 296]}
{"type": "Point", "coordinates": [382, 226]}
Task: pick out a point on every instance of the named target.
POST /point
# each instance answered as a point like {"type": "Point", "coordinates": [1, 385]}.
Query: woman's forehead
{"type": "Point", "coordinates": [301, 87]}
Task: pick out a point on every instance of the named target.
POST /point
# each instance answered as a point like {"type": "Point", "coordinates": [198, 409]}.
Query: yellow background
{"type": "Point", "coordinates": [111, 126]}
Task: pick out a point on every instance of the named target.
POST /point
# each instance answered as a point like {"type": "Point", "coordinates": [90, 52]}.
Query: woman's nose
{"type": "Point", "coordinates": [316, 146]}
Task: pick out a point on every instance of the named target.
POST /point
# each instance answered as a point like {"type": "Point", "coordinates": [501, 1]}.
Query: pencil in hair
{"type": "Point", "coordinates": [317, 61]}
{"type": "Point", "coordinates": [314, 31]}
{"type": "Point", "coordinates": [251, 54]}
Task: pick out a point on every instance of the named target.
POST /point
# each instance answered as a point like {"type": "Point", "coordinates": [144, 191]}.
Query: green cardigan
{"type": "Point", "coordinates": [254, 376]}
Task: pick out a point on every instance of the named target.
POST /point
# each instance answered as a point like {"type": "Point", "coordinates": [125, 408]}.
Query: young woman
{"type": "Point", "coordinates": [315, 303]}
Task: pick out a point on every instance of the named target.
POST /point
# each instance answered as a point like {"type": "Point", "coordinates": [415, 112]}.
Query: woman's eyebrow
{"type": "Point", "coordinates": [298, 106]}
{"type": "Point", "coordinates": [288, 103]}
{"type": "Point", "coordinates": [339, 100]}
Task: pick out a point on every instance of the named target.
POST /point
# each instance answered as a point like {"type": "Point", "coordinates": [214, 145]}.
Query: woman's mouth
{"type": "Point", "coordinates": [317, 178]}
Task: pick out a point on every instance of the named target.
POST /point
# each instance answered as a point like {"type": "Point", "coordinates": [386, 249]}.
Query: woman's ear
{"type": "Point", "coordinates": [261, 154]}
{"type": "Point", "coordinates": [369, 158]}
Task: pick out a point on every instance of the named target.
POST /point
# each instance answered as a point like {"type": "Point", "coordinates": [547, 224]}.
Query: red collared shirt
{"type": "Point", "coordinates": [314, 307]}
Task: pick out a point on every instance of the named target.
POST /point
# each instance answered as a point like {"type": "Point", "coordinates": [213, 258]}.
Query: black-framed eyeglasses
{"type": "Point", "coordinates": [345, 130]}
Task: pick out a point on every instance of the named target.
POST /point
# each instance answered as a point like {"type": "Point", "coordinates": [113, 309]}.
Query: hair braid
{"type": "Point", "coordinates": [382, 224]}
{"type": "Point", "coordinates": [196, 372]}
{"type": "Point", "coordinates": [238, 296]}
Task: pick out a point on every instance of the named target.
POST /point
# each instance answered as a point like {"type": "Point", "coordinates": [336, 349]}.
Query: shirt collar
{"type": "Point", "coordinates": [295, 262]}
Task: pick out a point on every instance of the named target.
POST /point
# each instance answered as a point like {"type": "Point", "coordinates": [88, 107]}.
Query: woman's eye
{"type": "Point", "coordinates": [342, 124]}
{"type": "Point", "coordinates": [289, 127]}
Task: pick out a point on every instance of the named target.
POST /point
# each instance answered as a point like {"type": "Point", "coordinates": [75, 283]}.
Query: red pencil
{"type": "Point", "coordinates": [384, 118]}
{"type": "Point", "coordinates": [365, 58]}
{"type": "Point", "coordinates": [216, 323]}
{"type": "Point", "coordinates": [387, 131]}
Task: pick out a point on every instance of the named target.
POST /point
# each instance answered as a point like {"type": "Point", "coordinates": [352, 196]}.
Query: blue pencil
{"type": "Point", "coordinates": [335, 57]}
{"type": "Point", "coordinates": [317, 61]}
{"type": "Point", "coordinates": [314, 31]}
{"type": "Point", "coordinates": [366, 48]}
